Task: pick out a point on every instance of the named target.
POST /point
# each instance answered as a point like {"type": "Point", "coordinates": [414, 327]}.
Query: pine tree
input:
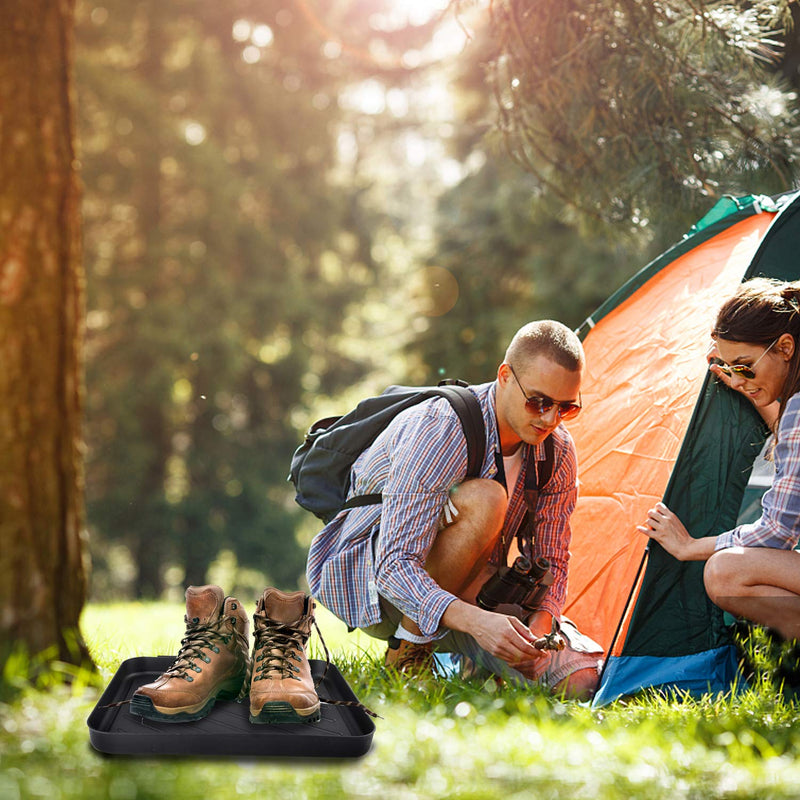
{"type": "Point", "coordinates": [625, 109]}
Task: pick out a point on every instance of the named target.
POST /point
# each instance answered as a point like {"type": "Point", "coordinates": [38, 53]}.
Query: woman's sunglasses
{"type": "Point", "coordinates": [741, 369]}
{"type": "Point", "coordinates": [541, 404]}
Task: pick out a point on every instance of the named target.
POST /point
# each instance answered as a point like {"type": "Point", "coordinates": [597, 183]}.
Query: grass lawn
{"type": "Point", "coordinates": [443, 739]}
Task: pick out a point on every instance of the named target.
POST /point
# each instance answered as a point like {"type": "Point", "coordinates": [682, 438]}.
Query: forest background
{"type": "Point", "coordinates": [288, 205]}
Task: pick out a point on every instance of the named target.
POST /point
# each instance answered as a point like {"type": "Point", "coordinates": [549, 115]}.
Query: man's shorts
{"type": "Point", "coordinates": [580, 653]}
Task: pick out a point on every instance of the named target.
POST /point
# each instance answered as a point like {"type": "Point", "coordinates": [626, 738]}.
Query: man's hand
{"type": "Point", "coordinates": [508, 638]}
{"type": "Point", "coordinates": [503, 636]}
{"type": "Point", "coordinates": [552, 640]}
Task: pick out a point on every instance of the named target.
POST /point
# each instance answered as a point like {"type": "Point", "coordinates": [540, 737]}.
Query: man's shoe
{"type": "Point", "coordinates": [409, 658]}
{"type": "Point", "coordinates": [281, 688]}
{"type": "Point", "coordinates": [211, 664]}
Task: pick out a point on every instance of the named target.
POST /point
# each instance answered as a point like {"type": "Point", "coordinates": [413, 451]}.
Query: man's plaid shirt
{"type": "Point", "coordinates": [415, 461]}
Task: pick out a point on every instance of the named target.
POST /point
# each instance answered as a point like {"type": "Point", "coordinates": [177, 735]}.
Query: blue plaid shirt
{"type": "Point", "coordinates": [779, 523]}
{"type": "Point", "coordinates": [415, 462]}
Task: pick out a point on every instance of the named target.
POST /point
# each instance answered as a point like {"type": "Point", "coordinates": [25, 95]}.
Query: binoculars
{"type": "Point", "coordinates": [523, 583]}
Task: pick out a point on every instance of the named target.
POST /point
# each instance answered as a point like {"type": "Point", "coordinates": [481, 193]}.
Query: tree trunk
{"type": "Point", "coordinates": [43, 574]}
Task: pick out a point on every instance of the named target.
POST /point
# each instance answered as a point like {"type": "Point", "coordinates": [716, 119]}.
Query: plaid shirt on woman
{"type": "Point", "coordinates": [381, 550]}
{"type": "Point", "coordinates": [779, 523]}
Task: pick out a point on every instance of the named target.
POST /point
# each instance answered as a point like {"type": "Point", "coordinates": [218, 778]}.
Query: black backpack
{"type": "Point", "coordinates": [320, 469]}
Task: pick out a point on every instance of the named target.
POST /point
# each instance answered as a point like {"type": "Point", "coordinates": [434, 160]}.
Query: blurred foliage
{"type": "Point", "coordinates": [216, 240]}
{"type": "Point", "coordinates": [511, 265]}
{"type": "Point", "coordinates": [507, 251]}
{"type": "Point", "coordinates": [626, 109]}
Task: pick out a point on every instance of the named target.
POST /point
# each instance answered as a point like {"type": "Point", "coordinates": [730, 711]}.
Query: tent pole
{"type": "Point", "coordinates": [625, 611]}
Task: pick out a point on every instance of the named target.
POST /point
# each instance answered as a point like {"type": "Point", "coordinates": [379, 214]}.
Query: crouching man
{"type": "Point", "coordinates": [410, 569]}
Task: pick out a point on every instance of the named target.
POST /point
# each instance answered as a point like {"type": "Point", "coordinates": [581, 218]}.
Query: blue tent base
{"type": "Point", "coordinates": [709, 672]}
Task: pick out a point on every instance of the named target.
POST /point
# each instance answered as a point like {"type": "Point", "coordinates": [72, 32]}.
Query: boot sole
{"type": "Point", "coordinates": [144, 707]}
{"type": "Point", "coordinates": [282, 712]}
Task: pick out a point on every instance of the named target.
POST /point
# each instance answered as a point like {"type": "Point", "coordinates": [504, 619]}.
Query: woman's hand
{"type": "Point", "coordinates": [663, 526]}
{"type": "Point", "coordinates": [715, 364]}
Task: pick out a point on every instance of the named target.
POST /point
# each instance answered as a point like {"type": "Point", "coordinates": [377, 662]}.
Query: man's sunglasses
{"type": "Point", "coordinates": [741, 369]}
{"type": "Point", "coordinates": [541, 404]}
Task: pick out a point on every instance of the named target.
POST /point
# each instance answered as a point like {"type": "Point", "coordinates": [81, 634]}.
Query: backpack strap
{"type": "Point", "coordinates": [363, 500]}
{"type": "Point", "coordinates": [542, 470]}
{"type": "Point", "coordinates": [537, 474]}
{"type": "Point", "coordinates": [468, 409]}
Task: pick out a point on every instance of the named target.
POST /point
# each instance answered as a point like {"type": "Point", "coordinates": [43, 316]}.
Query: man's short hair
{"type": "Point", "coordinates": [548, 338]}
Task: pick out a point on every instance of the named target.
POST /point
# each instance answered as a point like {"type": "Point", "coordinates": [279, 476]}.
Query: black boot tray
{"type": "Point", "coordinates": [342, 732]}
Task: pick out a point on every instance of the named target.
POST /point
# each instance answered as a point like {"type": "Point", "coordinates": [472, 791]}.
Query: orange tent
{"type": "Point", "coordinates": [646, 378]}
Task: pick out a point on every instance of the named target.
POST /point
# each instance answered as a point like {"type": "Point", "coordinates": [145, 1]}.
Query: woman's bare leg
{"type": "Point", "coordinates": [761, 584]}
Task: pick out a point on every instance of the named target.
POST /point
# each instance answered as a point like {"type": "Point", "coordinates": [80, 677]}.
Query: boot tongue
{"type": "Point", "coordinates": [203, 604]}
{"type": "Point", "coordinates": [284, 607]}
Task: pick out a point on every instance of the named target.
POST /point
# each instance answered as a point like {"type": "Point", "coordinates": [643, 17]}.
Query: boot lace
{"type": "Point", "coordinates": [197, 640]}
{"type": "Point", "coordinates": [275, 647]}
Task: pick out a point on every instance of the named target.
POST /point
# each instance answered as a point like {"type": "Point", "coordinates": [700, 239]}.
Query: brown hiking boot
{"type": "Point", "coordinates": [282, 689]}
{"type": "Point", "coordinates": [409, 658]}
{"type": "Point", "coordinates": [211, 664]}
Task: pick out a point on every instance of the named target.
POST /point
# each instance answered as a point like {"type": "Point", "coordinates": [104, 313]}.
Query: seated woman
{"type": "Point", "coordinates": [753, 570]}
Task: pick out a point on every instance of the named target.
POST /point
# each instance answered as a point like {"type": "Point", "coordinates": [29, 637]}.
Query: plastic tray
{"type": "Point", "coordinates": [342, 732]}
